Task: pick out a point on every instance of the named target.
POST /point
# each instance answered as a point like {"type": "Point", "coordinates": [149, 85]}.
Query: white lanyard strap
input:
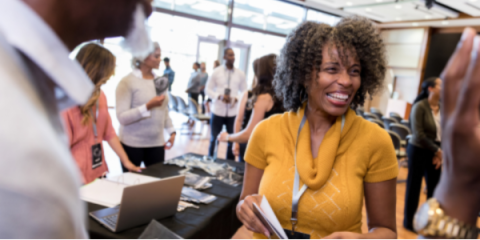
{"type": "Point", "coordinates": [94, 121]}
{"type": "Point", "coordinates": [298, 194]}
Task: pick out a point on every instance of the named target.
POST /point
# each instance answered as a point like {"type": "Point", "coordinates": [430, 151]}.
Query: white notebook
{"type": "Point", "coordinates": [269, 219]}
{"type": "Point", "coordinates": [108, 192]}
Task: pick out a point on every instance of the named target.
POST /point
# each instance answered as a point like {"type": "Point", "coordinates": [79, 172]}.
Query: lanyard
{"type": "Point", "coordinates": [94, 121]}
{"type": "Point", "coordinates": [297, 194]}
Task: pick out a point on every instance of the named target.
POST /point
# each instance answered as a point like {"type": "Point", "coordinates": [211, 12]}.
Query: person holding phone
{"type": "Point", "coordinates": [88, 125]}
{"type": "Point", "coordinates": [142, 110]}
{"type": "Point", "coordinates": [225, 87]}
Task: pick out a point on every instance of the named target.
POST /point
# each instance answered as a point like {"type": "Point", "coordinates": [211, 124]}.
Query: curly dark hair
{"type": "Point", "coordinates": [302, 54]}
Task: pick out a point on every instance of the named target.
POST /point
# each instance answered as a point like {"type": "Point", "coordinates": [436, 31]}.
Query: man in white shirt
{"type": "Point", "coordinates": [40, 182]}
{"type": "Point", "coordinates": [224, 87]}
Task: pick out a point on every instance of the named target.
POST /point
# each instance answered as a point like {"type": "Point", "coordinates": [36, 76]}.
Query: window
{"type": "Point", "coordinates": [178, 38]}
{"type": "Point", "coordinates": [214, 9]}
{"type": "Point", "coordinates": [270, 15]}
{"type": "Point", "coordinates": [261, 45]}
{"type": "Point", "coordinates": [321, 17]}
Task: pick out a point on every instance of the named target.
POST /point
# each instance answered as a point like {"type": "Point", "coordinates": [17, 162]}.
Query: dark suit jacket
{"type": "Point", "coordinates": [424, 130]}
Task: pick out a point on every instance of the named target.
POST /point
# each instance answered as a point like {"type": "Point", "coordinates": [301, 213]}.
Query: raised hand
{"type": "Point", "coordinates": [459, 189]}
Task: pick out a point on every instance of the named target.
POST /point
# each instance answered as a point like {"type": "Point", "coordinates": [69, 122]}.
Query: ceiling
{"type": "Point", "coordinates": [402, 13]}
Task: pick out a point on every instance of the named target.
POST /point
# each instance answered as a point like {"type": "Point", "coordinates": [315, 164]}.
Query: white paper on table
{"type": "Point", "coordinates": [268, 211]}
{"type": "Point", "coordinates": [132, 179]}
{"type": "Point", "coordinates": [108, 192]}
{"type": "Point", "coordinates": [102, 192]}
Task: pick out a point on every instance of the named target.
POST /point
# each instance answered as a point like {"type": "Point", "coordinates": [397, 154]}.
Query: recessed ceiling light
{"type": "Point", "coordinates": [427, 17]}
{"type": "Point", "coordinates": [398, 6]}
{"type": "Point", "coordinates": [379, 0]}
{"type": "Point", "coordinates": [349, 4]}
{"type": "Point", "coordinates": [473, 0]}
{"type": "Point", "coordinates": [444, 22]}
{"type": "Point", "coordinates": [415, 24]}
{"type": "Point", "coordinates": [368, 9]}
{"type": "Point", "coordinates": [399, 19]}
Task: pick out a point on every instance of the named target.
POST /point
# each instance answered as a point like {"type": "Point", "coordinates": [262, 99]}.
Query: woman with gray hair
{"type": "Point", "coordinates": [142, 110]}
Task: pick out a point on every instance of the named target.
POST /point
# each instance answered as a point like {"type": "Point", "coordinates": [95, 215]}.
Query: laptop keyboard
{"type": "Point", "coordinates": [111, 220]}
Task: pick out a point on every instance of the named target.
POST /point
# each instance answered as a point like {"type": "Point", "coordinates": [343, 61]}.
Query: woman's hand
{"type": "Point", "coordinates": [437, 162]}
{"type": "Point", "coordinates": [170, 142]}
{"type": "Point", "coordinates": [459, 189]}
{"type": "Point", "coordinates": [438, 159]}
{"type": "Point", "coordinates": [222, 137]}
{"type": "Point", "coordinates": [248, 218]}
{"type": "Point", "coordinates": [236, 149]}
{"type": "Point", "coordinates": [156, 101]}
{"type": "Point", "coordinates": [132, 168]}
{"type": "Point", "coordinates": [344, 235]}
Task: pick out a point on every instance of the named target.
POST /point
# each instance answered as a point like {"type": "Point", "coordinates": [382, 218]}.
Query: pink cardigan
{"type": "Point", "coordinates": [81, 138]}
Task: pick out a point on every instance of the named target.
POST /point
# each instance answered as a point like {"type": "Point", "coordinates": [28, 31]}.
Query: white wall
{"type": "Point", "coordinates": [404, 55]}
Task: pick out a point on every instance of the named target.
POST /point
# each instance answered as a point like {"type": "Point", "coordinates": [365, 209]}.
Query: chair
{"type": "Point", "coordinates": [368, 115]}
{"type": "Point", "coordinates": [402, 131]}
{"type": "Point", "coordinates": [396, 116]}
{"type": "Point", "coordinates": [377, 122]}
{"type": "Point", "coordinates": [400, 153]}
{"type": "Point", "coordinates": [172, 102]}
{"type": "Point", "coordinates": [387, 121]}
{"type": "Point", "coordinates": [360, 111]}
{"type": "Point", "coordinates": [406, 123]}
{"type": "Point", "coordinates": [397, 144]}
{"type": "Point", "coordinates": [194, 113]}
{"type": "Point", "coordinates": [377, 112]}
{"type": "Point", "coordinates": [182, 106]}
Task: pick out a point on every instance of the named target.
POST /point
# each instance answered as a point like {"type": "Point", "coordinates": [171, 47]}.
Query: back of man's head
{"type": "Point", "coordinates": [77, 21]}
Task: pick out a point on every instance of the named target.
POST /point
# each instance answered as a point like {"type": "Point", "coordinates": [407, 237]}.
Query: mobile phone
{"type": "Point", "coordinates": [227, 91]}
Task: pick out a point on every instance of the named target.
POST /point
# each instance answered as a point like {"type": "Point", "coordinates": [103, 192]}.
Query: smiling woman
{"type": "Point", "coordinates": [321, 146]}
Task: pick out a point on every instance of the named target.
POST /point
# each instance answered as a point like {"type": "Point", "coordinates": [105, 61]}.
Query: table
{"type": "Point", "coordinates": [215, 220]}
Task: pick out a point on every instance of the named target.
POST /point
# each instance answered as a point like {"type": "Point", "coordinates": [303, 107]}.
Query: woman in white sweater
{"type": "Point", "coordinates": [143, 113]}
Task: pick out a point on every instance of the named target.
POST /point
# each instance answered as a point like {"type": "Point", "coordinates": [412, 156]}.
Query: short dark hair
{"type": "Point", "coordinates": [197, 64]}
{"type": "Point", "coordinates": [302, 54]}
{"type": "Point", "coordinates": [225, 50]}
{"type": "Point", "coordinates": [166, 59]}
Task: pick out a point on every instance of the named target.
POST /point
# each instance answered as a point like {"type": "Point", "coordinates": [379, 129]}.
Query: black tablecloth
{"type": "Point", "coordinates": [215, 220]}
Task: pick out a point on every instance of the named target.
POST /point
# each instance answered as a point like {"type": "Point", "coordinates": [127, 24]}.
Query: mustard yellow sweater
{"type": "Point", "coordinates": [362, 152]}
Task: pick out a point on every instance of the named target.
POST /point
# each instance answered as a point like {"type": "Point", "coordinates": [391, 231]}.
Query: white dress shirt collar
{"type": "Point", "coordinates": [29, 33]}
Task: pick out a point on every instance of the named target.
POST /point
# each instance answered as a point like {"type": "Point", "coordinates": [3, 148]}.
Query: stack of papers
{"type": "Point", "coordinates": [266, 215]}
{"type": "Point", "coordinates": [108, 192]}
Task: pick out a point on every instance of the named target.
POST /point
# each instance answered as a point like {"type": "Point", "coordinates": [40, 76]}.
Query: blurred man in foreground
{"type": "Point", "coordinates": [454, 208]}
{"type": "Point", "coordinates": [39, 183]}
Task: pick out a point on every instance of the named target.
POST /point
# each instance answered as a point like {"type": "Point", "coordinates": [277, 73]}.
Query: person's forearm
{"type": "Point", "coordinates": [237, 125]}
{"type": "Point", "coordinates": [118, 149]}
{"type": "Point", "coordinates": [458, 199]}
{"type": "Point", "coordinates": [380, 233]}
{"type": "Point", "coordinates": [239, 137]}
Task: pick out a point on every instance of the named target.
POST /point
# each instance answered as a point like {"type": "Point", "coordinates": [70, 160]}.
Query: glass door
{"type": "Point", "coordinates": [209, 50]}
{"type": "Point", "coordinates": [242, 54]}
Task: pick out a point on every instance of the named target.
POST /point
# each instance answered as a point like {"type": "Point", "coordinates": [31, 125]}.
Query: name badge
{"type": "Point", "coordinates": [296, 235]}
{"type": "Point", "coordinates": [96, 155]}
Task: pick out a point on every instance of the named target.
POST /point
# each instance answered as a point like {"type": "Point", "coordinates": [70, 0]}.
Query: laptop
{"type": "Point", "coordinates": [142, 203]}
